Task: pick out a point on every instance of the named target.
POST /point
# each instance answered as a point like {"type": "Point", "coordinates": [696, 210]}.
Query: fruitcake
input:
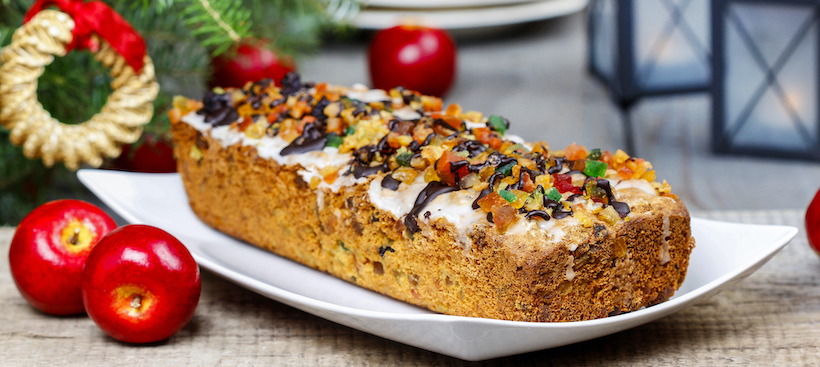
{"type": "Point", "coordinates": [438, 207]}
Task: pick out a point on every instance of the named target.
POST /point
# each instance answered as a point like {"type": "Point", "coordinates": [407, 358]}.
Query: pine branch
{"type": "Point", "coordinates": [219, 24]}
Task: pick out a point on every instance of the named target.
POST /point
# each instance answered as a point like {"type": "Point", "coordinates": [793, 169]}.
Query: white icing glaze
{"type": "Point", "coordinates": [270, 148]}
{"type": "Point", "coordinates": [639, 184]}
{"type": "Point", "coordinates": [474, 125]}
{"type": "Point", "coordinates": [368, 95]}
{"type": "Point", "coordinates": [406, 113]}
{"type": "Point", "coordinates": [399, 202]}
{"type": "Point", "coordinates": [455, 207]}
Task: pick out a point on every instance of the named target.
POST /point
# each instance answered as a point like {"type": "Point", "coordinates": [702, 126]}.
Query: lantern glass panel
{"type": "Point", "coordinates": [605, 37]}
{"type": "Point", "coordinates": [778, 113]}
{"type": "Point", "coordinates": [671, 45]}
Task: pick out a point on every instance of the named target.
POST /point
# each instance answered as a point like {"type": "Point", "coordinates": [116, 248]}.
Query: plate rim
{"type": "Point", "coordinates": [494, 16]}
{"type": "Point", "coordinates": [789, 232]}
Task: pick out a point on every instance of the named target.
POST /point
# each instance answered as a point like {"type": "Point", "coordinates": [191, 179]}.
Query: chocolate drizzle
{"type": "Point", "coordinates": [620, 207]}
{"type": "Point", "coordinates": [358, 170]}
{"type": "Point", "coordinates": [559, 165]}
{"type": "Point", "coordinates": [537, 213]}
{"type": "Point", "coordinates": [388, 182]}
{"type": "Point", "coordinates": [310, 140]}
{"type": "Point", "coordinates": [481, 194]}
{"type": "Point", "coordinates": [217, 109]}
{"type": "Point", "coordinates": [427, 195]}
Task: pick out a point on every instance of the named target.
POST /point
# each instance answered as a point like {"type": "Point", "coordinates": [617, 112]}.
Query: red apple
{"type": "Point", "coordinates": [813, 223]}
{"type": "Point", "coordinates": [48, 252]}
{"type": "Point", "coordinates": [140, 284]}
{"type": "Point", "coordinates": [416, 58]}
{"type": "Point", "coordinates": [251, 62]}
{"type": "Point", "coordinates": [154, 155]}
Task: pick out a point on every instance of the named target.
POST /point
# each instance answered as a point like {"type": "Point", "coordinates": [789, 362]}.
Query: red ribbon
{"type": "Point", "coordinates": [97, 17]}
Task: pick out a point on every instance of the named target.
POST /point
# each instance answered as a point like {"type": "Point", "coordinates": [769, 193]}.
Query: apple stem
{"type": "Point", "coordinates": [136, 302]}
{"type": "Point", "coordinates": [75, 237]}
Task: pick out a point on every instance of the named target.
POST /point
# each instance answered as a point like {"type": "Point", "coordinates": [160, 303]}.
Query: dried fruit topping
{"type": "Point", "coordinates": [402, 134]}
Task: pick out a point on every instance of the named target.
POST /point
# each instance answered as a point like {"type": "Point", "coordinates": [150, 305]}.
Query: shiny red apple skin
{"type": "Point", "coordinates": [813, 223]}
{"type": "Point", "coordinates": [45, 266]}
{"type": "Point", "coordinates": [146, 262]}
{"type": "Point", "coordinates": [250, 63]}
{"type": "Point", "coordinates": [417, 58]}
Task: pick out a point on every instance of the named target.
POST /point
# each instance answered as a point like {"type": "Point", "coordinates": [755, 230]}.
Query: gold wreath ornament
{"type": "Point", "coordinates": [120, 121]}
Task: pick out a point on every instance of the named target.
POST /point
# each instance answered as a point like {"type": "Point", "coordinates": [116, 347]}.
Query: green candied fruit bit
{"type": "Point", "coordinates": [554, 195]}
{"type": "Point", "coordinates": [404, 158]}
{"type": "Point", "coordinates": [334, 140]}
{"type": "Point", "coordinates": [506, 169]}
{"type": "Point", "coordinates": [350, 130]}
{"type": "Point", "coordinates": [510, 197]}
{"type": "Point", "coordinates": [497, 123]}
{"type": "Point", "coordinates": [593, 191]}
{"type": "Point", "coordinates": [595, 169]}
{"type": "Point", "coordinates": [595, 154]}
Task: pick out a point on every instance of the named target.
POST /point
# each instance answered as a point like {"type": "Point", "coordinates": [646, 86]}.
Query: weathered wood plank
{"type": "Point", "coordinates": [771, 318]}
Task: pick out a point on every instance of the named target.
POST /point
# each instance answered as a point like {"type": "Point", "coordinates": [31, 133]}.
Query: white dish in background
{"type": "Point", "coordinates": [725, 253]}
{"type": "Point", "coordinates": [411, 4]}
{"type": "Point", "coordinates": [464, 18]}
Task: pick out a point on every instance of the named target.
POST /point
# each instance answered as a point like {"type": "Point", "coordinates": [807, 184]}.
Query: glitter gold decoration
{"type": "Point", "coordinates": [33, 46]}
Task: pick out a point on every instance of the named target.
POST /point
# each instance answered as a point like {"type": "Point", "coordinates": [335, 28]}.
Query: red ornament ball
{"type": "Point", "coordinates": [417, 58]}
{"type": "Point", "coordinates": [250, 63]}
{"type": "Point", "coordinates": [49, 250]}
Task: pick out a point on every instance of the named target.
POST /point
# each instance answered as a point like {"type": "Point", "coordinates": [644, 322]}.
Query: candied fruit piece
{"type": "Point", "coordinates": [595, 154]}
{"type": "Point", "coordinates": [554, 194]}
{"type": "Point", "coordinates": [469, 181]}
{"type": "Point", "coordinates": [509, 196]}
{"type": "Point", "coordinates": [445, 171]}
{"type": "Point", "coordinates": [575, 152]}
{"type": "Point", "coordinates": [454, 109]}
{"type": "Point", "coordinates": [504, 216]}
{"type": "Point", "coordinates": [405, 174]}
{"type": "Point", "coordinates": [609, 215]}
{"type": "Point", "coordinates": [595, 169]}
{"type": "Point", "coordinates": [564, 184]}
{"type": "Point", "coordinates": [498, 123]}
{"type": "Point", "coordinates": [473, 116]}
{"type": "Point", "coordinates": [544, 181]}
{"type": "Point", "coordinates": [490, 201]}
{"type": "Point", "coordinates": [620, 157]}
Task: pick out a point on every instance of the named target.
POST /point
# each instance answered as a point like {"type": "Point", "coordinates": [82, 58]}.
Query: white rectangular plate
{"type": "Point", "coordinates": [725, 253]}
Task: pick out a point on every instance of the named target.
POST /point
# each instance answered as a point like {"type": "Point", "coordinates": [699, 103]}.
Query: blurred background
{"type": "Point", "coordinates": [721, 96]}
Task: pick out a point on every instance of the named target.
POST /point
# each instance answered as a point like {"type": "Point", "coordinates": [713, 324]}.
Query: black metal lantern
{"type": "Point", "coordinates": [766, 59]}
{"type": "Point", "coordinates": [649, 47]}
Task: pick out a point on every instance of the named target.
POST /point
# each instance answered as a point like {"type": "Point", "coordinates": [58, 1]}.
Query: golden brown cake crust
{"type": "Point", "coordinates": [612, 269]}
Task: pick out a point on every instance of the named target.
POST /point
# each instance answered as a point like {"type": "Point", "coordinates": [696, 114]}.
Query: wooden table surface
{"type": "Point", "coordinates": [771, 318]}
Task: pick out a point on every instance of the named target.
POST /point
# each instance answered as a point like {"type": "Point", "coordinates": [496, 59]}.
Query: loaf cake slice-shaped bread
{"type": "Point", "coordinates": [434, 206]}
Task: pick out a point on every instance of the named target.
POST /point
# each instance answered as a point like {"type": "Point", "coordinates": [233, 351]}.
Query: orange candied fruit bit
{"type": "Point", "coordinates": [487, 136]}
{"type": "Point", "coordinates": [454, 109]}
{"type": "Point", "coordinates": [575, 152]}
{"type": "Point", "coordinates": [246, 121]}
{"type": "Point", "coordinates": [431, 104]}
{"type": "Point", "coordinates": [492, 200]}
{"type": "Point", "coordinates": [527, 185]}
{"type": "Point", "coordinates": [300, 127]}
{"type": "Point", "coordinates": [541, 147]}
{"type": "Point", "coordinates": [504, 216]}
